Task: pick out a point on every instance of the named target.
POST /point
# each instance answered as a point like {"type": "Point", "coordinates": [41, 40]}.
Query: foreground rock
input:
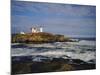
{"type": "Point", "coordinates": [24, 65]}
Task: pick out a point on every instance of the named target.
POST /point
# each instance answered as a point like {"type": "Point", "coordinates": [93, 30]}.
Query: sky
{"type": "Point", "coordinates": [67, 19]}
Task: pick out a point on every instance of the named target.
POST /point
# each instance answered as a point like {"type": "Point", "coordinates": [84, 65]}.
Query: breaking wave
{"type": "Point", "coordinates": [83, 50]}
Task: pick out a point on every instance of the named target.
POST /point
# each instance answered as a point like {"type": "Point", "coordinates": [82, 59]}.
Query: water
{"type": "Point", "coordinates": [83, 50]}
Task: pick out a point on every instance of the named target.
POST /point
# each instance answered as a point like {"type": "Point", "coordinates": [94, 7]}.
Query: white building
{"type": "Point", "coordinates": [22, 32]}
{"type": "Point", "coordinates": [36, 29]}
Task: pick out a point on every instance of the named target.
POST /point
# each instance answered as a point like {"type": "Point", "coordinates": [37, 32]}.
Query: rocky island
{"type": "Point", "coordinates": [40, 37]}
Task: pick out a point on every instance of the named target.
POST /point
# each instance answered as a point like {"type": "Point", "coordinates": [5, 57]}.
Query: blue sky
{"type": "Point", "coordinates": [68, 19]}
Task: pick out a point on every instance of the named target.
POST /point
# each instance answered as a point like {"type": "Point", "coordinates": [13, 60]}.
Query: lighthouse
{"type": "Point", "coordinates": [36, 29]}
{"type": "Point", "coordinates": [41, 29]}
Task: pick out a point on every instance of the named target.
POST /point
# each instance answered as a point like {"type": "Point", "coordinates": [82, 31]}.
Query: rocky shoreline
{"type": "Point", "coordinates": [25, 64]}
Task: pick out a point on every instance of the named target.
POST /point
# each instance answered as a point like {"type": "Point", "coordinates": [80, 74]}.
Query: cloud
{"type": "Point", "coordinates": [57, 18]}
{"type": "Point", "coordinates": [51, 8]}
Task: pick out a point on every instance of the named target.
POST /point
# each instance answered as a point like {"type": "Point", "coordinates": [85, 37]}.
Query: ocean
{"type": "Point", "coordinates": [84, 49]}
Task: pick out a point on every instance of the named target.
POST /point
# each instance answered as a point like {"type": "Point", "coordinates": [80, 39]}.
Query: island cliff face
{"type": "Point", "coordinates": [41, 37]}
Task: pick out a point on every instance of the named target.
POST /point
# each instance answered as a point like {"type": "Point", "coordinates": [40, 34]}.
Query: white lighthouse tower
{"type": "Point", "coordinates": [41, 29]}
